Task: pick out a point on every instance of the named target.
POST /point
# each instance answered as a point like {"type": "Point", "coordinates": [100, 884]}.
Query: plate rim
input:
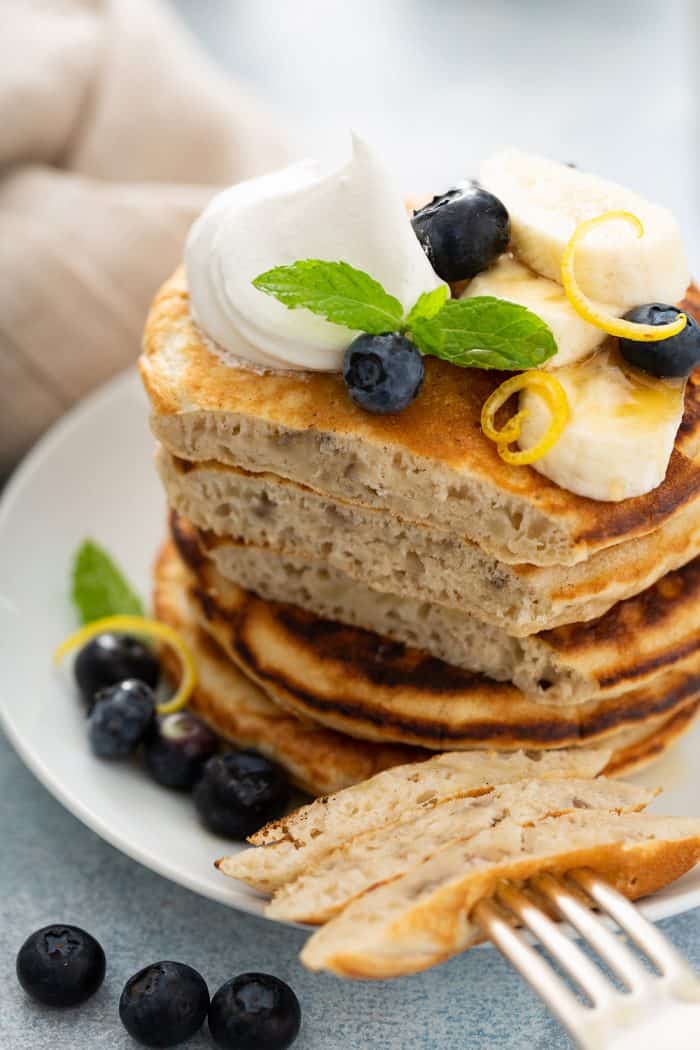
{"type": "Point", "coordinates": [655, 908]}
{"type": "Point", "coordinates": [17, 483]}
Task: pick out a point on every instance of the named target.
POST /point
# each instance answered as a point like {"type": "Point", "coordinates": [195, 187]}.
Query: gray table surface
{"type": "Point", "coordinates": [52, 869]}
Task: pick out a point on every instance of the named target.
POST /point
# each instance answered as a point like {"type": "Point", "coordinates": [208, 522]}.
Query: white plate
{"type": "Point", "coordinates": [93, 475]}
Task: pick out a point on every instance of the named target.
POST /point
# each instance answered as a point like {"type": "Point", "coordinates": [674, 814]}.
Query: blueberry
{"type": "Point", "coordinates": [669, 358]}
{"type": "Point", "coordinates": [177, 748]}
{"type": "Point", "coordinates": [254, 1012]}
{"type": "Point", "coordinates": [164, 1004]}
{"type": "Point", "coordinates": [383, 373]}
{"type": "Point", "coordinates": [462, 231]}
{"type": "Point", "coordinates": [111, 658]}
{"type": "Point", "coordinates": [120, 719]}
{"type": "Point", "coordinates": [60, 965]}
{"type": "Point", "coordinates": [239, 792]}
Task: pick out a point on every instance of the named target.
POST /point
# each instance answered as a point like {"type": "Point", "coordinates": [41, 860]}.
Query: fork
{"type": "Point", "coordinates": [657, 1011]}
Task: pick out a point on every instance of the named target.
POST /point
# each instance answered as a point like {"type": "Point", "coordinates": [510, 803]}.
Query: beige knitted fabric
{"type": "Point", "coordinates": [115, 133]}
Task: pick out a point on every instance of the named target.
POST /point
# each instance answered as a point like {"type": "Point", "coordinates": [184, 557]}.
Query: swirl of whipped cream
{"type": "Point", "coordinates": [352, 213]}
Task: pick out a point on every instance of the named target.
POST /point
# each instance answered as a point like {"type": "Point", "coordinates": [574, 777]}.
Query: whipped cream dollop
{"type": "Point", "coordinates": [352, 213]}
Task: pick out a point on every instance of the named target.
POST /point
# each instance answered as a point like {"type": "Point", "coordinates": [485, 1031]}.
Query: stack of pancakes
{"type": "Point", "coordinates": [387, 583]}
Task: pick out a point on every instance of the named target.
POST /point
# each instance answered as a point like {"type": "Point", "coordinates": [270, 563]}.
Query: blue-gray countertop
{"type": "Point", "coordinates": [52, 869]}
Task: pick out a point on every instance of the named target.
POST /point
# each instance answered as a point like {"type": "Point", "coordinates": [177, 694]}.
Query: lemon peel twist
{"type": "Point", "coordinates": [553, 394]}
{"type": "Point", "coordinates": [151, 629]}
{"type": "Point", "coordinates": [642, 333]}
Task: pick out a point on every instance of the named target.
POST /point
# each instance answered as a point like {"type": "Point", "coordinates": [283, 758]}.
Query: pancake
{"type": "Point", "coordinates": [429, 463]}
{"type": "Point", "coordinates": [419, 561]}
{"type": "Point", "coordinates": [423, 917]}
{"type": "Point", "coordinates": [318, 760]}
{"type": "Point", "coordinates": [361, 684]}
{"type": "Point", "coordinates": [372, 858]}
{"type": "Point", "coordinates": [631, 645]}
{"type": "Point", "coordinates": [640, 748]}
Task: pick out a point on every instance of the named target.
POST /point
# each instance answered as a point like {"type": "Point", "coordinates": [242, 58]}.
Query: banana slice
{"type": "Point", "coordinates": [508, 279]}
{"type": "Point", "coordinates": [546, 202]}
{"type": "Point", "coordinates": [620, 437]}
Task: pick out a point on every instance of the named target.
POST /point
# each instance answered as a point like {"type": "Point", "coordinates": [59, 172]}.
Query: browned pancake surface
{"type": "Point", "coordinates": [639, 637]}
{"type": "Point", "coordinates": [320, 760]}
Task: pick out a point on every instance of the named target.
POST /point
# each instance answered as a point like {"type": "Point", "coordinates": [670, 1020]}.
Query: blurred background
{"type": "Point", "coordinates": [609, 84]}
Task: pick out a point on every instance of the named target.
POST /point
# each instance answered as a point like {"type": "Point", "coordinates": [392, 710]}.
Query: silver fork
{"type": "Point", "coordinates": [657, 1011]}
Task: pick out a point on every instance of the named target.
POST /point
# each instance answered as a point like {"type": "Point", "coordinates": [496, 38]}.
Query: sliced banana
{"type": "Point", "coordinates": [509, 279]}
{"type": "Point", "coordinates": [546, 201]}
{"type": "Point", "coordinates": [621, 433]}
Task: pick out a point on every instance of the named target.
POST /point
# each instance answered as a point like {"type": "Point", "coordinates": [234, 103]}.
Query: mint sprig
{"type": "Point", "coordinates": [336, 291]}
{"type": "Point", "coordinates": [99, 588]}
{"type": "Point", "coordinates": [428, 305]}
{"type": "Point", "coordinates": [483, 332]}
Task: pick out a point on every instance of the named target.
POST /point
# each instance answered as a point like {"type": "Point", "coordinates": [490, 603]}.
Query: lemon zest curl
{"type": "Point", "coordinates": [162, 632]}
{"type": "Point", "coordinates": [554, 395]}
{"type": "Point", "coordinates": [641, 333]}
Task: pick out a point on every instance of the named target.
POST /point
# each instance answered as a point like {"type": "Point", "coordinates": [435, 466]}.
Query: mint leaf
{"type": "Point", "coordinates": [428, 305]}
{"type": "Point", "coordinates": [485, 332]}
{"type": "Point", "coordinates": [99, 589]}
{"type": "Point", "coordinates": [336, 291]}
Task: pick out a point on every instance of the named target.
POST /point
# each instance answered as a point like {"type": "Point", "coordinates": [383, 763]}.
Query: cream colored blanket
{"type": "Point", "coordinates": [114, 132]}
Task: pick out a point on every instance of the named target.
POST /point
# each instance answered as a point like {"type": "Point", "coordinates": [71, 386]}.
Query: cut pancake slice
{"type": "Point", "coordinates": [423, 917]}
{"type": "Point", "coordinates": [376, 857]}
{"type": "Point", "coordinates": [320, 760]}
{"type": "Point", "coordinates": [419, 562]}
{"type": "Point", "coordinates": [296, 843]}
{"type": "Point", "coordinates": [634, 643]}
{"type": "Point", "coordinates": [361, 684]}
{"type": "Point", "coordinates": [429, 463]}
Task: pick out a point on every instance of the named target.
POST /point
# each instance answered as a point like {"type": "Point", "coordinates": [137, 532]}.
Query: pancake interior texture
{"type": "Point", "coordinates": [358, 683]}
{"type": "Point", "coordinates": [320, 760]}
{"type": "Point", "coordinates": [418, 561]}
{"type": "Point", "coordinates": [429, 463]}
{"type": "Point", "coordinates": [633, 644]}
{"type": "Point", "coordinates": [323, 890]}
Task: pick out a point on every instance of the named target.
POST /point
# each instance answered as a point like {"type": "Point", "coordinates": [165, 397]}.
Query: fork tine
{"type": "Point", "coordinates": [568, 954]}
{"type": "Point", "coordinates": [631, 921]}
{"type": "Point", "coordinates": [531, 966]}
{"type": "Point", "coordinates": [611, 949]}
